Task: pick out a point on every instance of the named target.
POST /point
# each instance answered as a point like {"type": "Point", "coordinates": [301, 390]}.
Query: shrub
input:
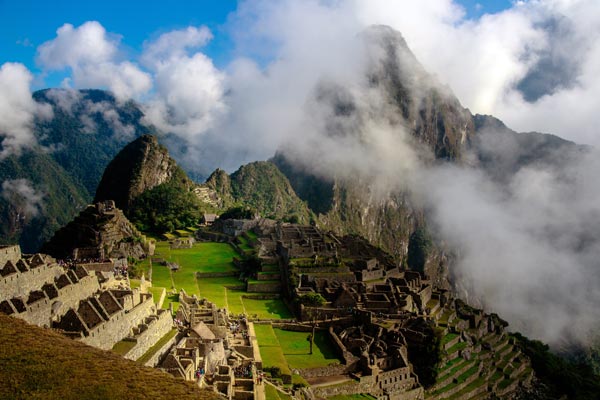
{"type": "Point", "coordinates": [312, 299]}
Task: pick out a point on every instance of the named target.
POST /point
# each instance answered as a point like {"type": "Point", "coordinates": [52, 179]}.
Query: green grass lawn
{"type": "Point", "coordinates": [244, 244]}
{"type": "Point", "coordinates": [171, 298]}
{"type": "Point", "coordinates": [211, 257]}
{"type": "Point", "coordinates": [448, 338]}
{"type": "Point", "coordinates": [235, 301]}
{"type": "Point", "coordinates": [134, 283]}
{"type": "Point", "coordinates": [263, 309]}
{"type": "Point", "coordinates": [204, 257]}
{"type": "Point", "coordinates": [273, 394]}
{"type": "Point", "coordinates": [123, 346]}
{"type": "Point", "coordinates": [270, 350]}
{"type": "Point", "coordinates": [296, 347]}
{"type": "Point", "coordinates": [267, 309]}
{"type": "Point", "coordinates": [288, 350]}
{"type": "Point", "coordinates": [185, 278]}
{"type": "Point", "coordinates": [161, 276]}
{"type": "Point", "coordinates": [214, 289]}
{"type": "Point", "coordinates": [143, 266]}
{"type": "Point", "coordinates": [156, 292]}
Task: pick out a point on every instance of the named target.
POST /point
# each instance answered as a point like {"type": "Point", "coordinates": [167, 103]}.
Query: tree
{"type": "Point", "coordinates": [165, 208]}
{"type": "Point", "coordinates": [419, 245]}
{"type": "Point", "coordinates": [312, 299]}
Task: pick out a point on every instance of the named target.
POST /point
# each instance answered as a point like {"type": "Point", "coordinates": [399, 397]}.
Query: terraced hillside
{"type": "Point", "coordinates": [478, 358]}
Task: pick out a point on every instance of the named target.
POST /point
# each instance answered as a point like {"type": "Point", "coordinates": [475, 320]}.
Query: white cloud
{"type": "Point", "coordinates": [21, 194]}
{"type": "Point", "coordinates": [93, 57]}
{"type": "Point", "coordinates": [174, 44]}
{"type": "Point", "coordinates": [526, 250]}
{"type": "Point", "coordinates": [17, 109]}
{"type": "Point", "coordinates": [188, 92]}
{"type": "Point", "coordinates": [85, 44]}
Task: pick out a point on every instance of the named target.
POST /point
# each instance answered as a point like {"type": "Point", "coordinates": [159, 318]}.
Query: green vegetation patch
{"type": "Point", "coordinates": [156, 293]}
{"type": "Point", "coordinates": [270, 267]}
{"type": "Point", "coordinates": [134, 283]}
{"type": "Point", "coordinates": [469, 388]}
{"type": "Point", "coordinates": [205, 257]}
{"type": "Point", "coordinates": [457, 347]}
{"type": "Point", "coordinates": [270, 350]}
{"type": "Point", "coordinates": [202, 257]}
{"type": "Point", "coordinates": [273, 394]}
{"type": "Point", "coordinates": [451, 371]}
{"type": "Point", "coordinates": [161, 277]}
{"type": "Point", "coordinates": [122, 347]}
{"type": "Point", "coordinates": [215, 289]}
{"type": "Point", "coordinates": [171, 298]}
{"type": "Point", "coordinates": [448, 338]}
{"type": "Point", "coordinates": [296, 349]}
{"type": "Point", "coordinates": [267, 309]}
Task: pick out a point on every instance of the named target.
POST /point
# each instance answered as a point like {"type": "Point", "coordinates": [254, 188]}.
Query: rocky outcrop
{"type": "Point", "coordinates": [99, 231]}
{"type": "Point", "coordinates": [142, 165]}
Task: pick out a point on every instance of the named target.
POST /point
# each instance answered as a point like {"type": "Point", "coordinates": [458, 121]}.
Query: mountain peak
{"type": "Point", "coordinates": [140, 166]}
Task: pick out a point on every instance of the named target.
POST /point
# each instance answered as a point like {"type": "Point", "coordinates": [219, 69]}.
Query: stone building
{"type": "Point", "coordinates": [71, 299]}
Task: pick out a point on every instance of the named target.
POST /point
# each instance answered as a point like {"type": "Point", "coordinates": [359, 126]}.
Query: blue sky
{"type": "Point", "coordinates": [25, 24]}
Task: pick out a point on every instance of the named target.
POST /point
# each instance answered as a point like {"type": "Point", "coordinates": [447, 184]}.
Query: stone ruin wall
{"type": "Point", "coordinates": [42, 282]}
{"type": "Point", "coordinates": [40, 312]}
{"type": "Point", "coordinates": [20, 284]}
{"type": "Point", "coordinates": [105, 335]}
{"type": "Point", "coordinates": [156, 328]}
{"type": "Point", "coordinates": [10, 253]}
{"type": "Point", "coordinates": [156, 358]}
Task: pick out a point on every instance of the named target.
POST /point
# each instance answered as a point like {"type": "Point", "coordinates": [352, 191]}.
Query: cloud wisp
{"type": "Point", "coordinates": [21, 194]}
{"type": "Point", "coordinates": [18, 110]}
{"type": "Point", "coordinates": [94, 60]}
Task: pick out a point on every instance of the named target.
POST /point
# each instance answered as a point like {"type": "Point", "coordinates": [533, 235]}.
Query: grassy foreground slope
{"type": "Point", "coordinates": [41, 364]}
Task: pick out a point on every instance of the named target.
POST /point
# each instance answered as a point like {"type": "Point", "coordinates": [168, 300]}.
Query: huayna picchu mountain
{"type": "Point", "coordinates": [140, 166]}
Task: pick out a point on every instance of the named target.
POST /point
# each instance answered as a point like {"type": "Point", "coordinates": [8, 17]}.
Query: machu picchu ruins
{"type": "Point", "coordinates": [393, 335]}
